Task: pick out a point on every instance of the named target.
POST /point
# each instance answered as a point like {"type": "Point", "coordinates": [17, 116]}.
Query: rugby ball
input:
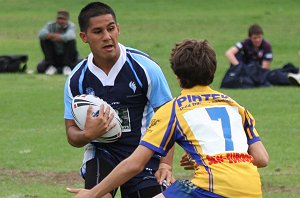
{"type": "Point", "coordinates": [80, 105]}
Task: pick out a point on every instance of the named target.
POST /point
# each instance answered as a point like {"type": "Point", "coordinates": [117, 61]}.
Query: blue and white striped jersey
{"type": "Point", "coordinates": [134, 87]}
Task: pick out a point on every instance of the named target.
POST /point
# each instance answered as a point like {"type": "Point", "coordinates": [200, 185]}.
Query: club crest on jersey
{"type": "Point", "coordinates": [132, 86]}
{"type": "Point", "coordinates": [153, 122]}
{"type": "Point", "coordinates": [90, 91]}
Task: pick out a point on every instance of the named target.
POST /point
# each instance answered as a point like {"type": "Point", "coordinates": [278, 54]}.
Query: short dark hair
{"type": "Point", "coordinates": [63, 13]}
{"type": "Point", "coordinates": [255, 29]}
{"type": "Point", "coordinates": [194, 62]}
{"type": "Point", "coordinates": [92, 10]}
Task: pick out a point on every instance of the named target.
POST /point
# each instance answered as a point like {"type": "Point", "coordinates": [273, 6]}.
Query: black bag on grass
{"type": "Point", "coordinates": [245, 76]}
{"type": "Point", "coordinates": [13, 63]}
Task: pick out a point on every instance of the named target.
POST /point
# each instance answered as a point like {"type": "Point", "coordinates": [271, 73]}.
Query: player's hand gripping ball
{"type": "Point", "coordinates": [80, 105]}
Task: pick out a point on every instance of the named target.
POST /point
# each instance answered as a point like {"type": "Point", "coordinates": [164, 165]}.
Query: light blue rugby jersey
{"type": "Point", "coordinates": [134, 86]}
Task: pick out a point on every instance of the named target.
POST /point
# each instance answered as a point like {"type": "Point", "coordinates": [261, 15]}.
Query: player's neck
{"type": "Point", "coordinates": [104, 65]}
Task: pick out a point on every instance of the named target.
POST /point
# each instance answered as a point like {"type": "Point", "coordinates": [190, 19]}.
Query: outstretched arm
{"type": "Point", "coordinates": [127, 169]}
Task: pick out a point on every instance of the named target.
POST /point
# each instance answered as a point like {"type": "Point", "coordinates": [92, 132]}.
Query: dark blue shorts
{"type": "Point", "coordinates": [104, 162]}
{"type": "Point", "coordinates": [186, 189]}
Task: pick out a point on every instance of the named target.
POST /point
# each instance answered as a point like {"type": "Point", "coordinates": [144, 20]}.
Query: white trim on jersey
{"type": "Point", "coordinates": [108, 80]}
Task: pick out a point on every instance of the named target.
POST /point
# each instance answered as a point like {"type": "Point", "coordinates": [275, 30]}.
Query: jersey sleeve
{"type": "Point", "coordinates": [249, 127]}
{"type": "Point", "coordinates": [160, 135]}
{"type": "Point", "coordinates": [158, 89]}
{"type": "Point", "coordinates": [268, 55]}
{"type": "Point", "coordinates": [73, 87]}
{"type": "Point", "coordinates": [67, 101]}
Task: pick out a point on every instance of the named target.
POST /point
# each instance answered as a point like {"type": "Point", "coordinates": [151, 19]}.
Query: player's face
{"type": "Point", "coordinates": [256, 39]}
{"type": "Point", "coordinates": [102, 36]}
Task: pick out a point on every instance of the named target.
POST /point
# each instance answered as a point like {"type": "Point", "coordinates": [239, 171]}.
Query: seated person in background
{"type": "Point", "coordinates": [217, 133]}
{"type": "Point", "coordinates": [255, 49]}
{"type": "Point", "coordinates": [58, 44]}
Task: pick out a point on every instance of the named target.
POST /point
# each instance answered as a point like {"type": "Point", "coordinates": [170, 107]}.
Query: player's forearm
{"type": "Point", "coordinates": [75, 136]}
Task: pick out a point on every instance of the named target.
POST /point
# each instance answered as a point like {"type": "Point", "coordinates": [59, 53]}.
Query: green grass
{"type": "Point", "coordinates": [35, 158]}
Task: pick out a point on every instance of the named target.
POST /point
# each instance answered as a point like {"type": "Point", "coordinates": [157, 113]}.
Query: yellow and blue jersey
{"type": "Point", "coordinates": [216, 131]}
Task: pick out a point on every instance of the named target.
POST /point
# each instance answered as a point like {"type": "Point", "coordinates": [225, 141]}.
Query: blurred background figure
{"type": "Point", "coordinates": [250, 64]}
{"type": "Point", "coordinates": [253, 48]}
{"type": "Point", "coordinates": [58, 43]}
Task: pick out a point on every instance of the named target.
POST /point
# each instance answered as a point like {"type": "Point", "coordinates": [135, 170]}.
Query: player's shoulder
{"type": "Point", "coordinates": [135, 52]}
{"type": "Point", "coordinates": [77, 71]}
{"type": "Point", "coordinates": [142, 58]}
{"type": "Point", "coordinates": [145, 62]}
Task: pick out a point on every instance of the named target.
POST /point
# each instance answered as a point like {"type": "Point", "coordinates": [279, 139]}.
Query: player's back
{"type": "Point", "coordinates": [216, 131]}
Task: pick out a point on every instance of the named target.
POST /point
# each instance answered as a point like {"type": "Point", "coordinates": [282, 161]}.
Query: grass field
{"type": "Point", "coordinates": [35, 158]}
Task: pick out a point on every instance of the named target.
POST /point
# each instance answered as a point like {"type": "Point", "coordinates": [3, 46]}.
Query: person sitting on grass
{"type": "Point", "coordinates": [217, 133]}
{"type": "Point", "coordinates": [58, 44]}
{"type": "Point", "coordinates": [255, 55]}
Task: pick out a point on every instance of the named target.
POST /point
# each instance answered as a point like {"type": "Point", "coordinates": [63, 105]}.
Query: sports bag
{"type": "Point", "coordinates": [245, 76]}
{"type": "Point", "coordinates": [13, 63]}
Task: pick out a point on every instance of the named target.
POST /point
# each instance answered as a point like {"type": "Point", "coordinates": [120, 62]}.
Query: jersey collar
{"type": "Point", "coordinates": [197, 88]}
{"type": "Point", "coordinates": [108, 80]}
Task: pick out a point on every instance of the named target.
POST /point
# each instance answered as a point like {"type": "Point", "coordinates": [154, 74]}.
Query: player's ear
{"type": "Point", "coordinates": [83, 37]}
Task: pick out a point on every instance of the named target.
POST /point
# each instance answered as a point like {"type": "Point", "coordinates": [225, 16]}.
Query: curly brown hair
{"type": "Point", "coordinates": [194, 62]}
